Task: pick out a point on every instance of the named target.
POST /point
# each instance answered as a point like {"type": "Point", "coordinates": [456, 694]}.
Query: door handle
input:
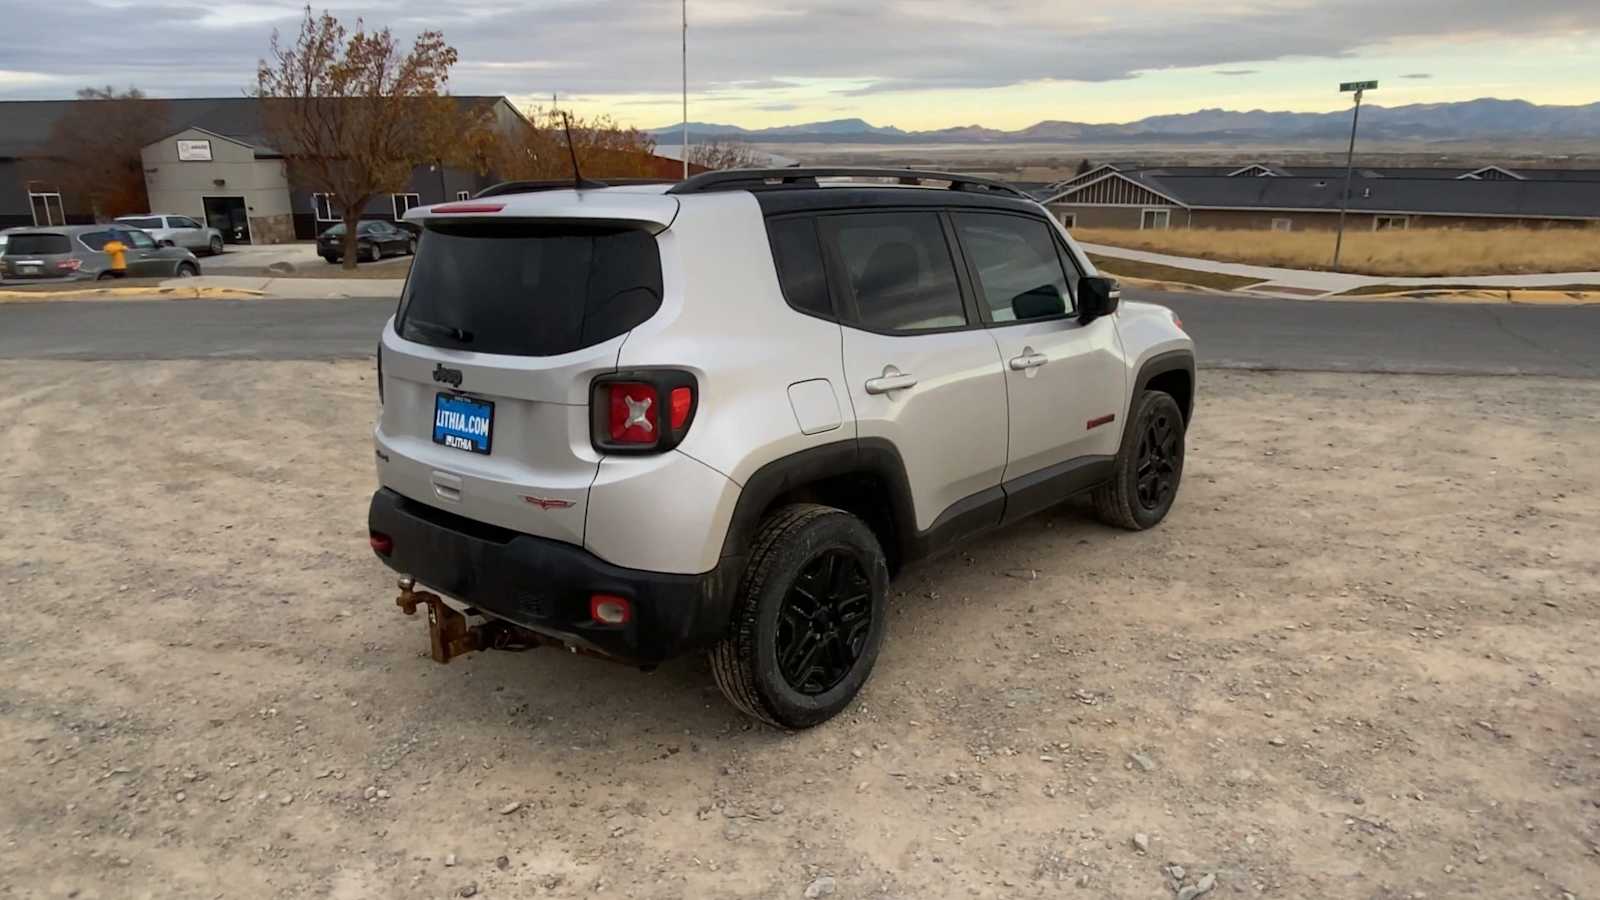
{"type": "Point", "coordinates": [892, 379]}
{"type": "Point", "coordinates": [1028, 360]}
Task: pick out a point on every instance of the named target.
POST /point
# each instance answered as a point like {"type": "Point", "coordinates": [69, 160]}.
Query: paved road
{"type": "Point", "coordinates": [1234, 332]}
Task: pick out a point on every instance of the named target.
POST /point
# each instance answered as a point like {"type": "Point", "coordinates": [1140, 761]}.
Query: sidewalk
{"type": "Point", "coordinates": [1303, 283]}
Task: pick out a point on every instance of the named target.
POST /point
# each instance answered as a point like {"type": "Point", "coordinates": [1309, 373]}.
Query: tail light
{"type": "Point", "coordinates": [642, 412]}
{"type": "Point", "coordinates": [69, 265]}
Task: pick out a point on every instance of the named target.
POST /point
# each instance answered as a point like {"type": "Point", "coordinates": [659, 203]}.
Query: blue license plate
{"type": "Point", "coordinates": [462, 422]}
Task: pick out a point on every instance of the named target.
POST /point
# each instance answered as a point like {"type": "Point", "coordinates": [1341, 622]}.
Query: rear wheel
{"type": "Point", "coordinates": [215, 248]}
{"type": "Point", "coordinates": [188, 270]}
{"type": "Point", "coordinates": [330, 259]}
{"type": "Point", "coordinates": [809, 619]}
{"type": "Point", "coordinates": [1149, 465]}
{"type": "Point", "coordinates": [105, 276]}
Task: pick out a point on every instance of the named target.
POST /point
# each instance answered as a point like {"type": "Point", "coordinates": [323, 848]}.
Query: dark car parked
{"type": "Point", "coordinates": [374, 240]}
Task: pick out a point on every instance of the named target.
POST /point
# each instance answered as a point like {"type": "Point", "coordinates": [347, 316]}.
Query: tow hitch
{"type": "Point", "coordinates": [449, 633]}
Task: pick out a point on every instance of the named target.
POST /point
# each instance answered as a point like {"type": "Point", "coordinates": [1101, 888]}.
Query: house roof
{"type": "Point", "coordinates": [25, 125]}
{"type": "Point", "coordinates": [1539, 194]}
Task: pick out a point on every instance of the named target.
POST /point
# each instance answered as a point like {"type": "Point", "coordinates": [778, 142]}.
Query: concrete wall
{"type": "Point", "coordinates": [180, 186]}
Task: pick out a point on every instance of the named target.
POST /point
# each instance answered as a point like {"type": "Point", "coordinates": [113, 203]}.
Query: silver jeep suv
{"type": "Point", "coordinates": [642, 420]}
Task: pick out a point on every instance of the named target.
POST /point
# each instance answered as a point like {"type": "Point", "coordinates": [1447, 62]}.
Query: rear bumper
{"type": "Point", "coordinates": [544, 585]}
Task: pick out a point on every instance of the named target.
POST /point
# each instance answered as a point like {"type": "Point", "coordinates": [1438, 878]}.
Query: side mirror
{"type": "Point", "coordinates": [1039, 303]}
{"type": "Point", "coordinates": [1097, 296]}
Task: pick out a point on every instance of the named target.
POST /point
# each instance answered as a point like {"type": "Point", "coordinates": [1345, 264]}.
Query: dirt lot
{"type": "Point", "coordinates": [1358, 661]}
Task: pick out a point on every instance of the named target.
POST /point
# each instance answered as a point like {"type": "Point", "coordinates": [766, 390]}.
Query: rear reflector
{"type": "Point", "coordinates": [382, 544]}
{"type": "Point", "coordinates": [682, 402]}
{"type": "Point", "coordinates": [610, 610]}
{"type": "Point", "coordinates": [457, 208]}
{"type": "Point", "coordinates": [634, 414]}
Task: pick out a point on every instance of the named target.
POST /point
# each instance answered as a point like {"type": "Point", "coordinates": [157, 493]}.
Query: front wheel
{"type": "Point", "coordinates": [809, 618]}
{"type": "Point", "coordinates": [215, 248]}
{"type": "Point", "coordinates": [373, 252]}
{"type": "Point", "coordinates": [187, 270]}
{"type": "Point", "coordinates": [1148, 467]}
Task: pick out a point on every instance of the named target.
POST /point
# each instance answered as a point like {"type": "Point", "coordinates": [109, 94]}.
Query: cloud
{"type": "Point", "coordinates": [1236, 72]}
{"type": "Point", "coordinates": [625, 47]}
{"type": "Point", "coordinates": [1418, 76]}
{"type": "Point", "coordinates": [778, 107]}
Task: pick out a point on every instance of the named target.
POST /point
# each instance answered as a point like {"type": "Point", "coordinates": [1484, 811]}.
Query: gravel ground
{"type": "Point", "coordinates": [1357, 661]}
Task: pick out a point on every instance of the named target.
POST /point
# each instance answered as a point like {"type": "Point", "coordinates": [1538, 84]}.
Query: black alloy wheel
{"type": "Point", "coordinates": [1160, 452]}
{"type": "Point", "coordinates": [824, 622]}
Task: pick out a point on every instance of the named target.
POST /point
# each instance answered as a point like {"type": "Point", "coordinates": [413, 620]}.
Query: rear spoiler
{"type": "Point", "coordinates": [629, 209]}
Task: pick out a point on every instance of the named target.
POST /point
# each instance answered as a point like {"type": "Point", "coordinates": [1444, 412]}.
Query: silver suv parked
{"type": "Point", "coordinates": [75, 253]}
{"type": "Point", "coordinates": [180, 231]}
{"type": "Point", "coordinates": [643, 420]}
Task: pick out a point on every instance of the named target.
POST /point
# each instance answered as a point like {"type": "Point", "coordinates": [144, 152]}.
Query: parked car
{"type": "Point", "coordinates": [375, 239]}
{"type": "Point", "coordinates": [5, 236]}
{"type": "Point", "coordinates": [720, 415]}
{"type": "Point", "coordinates": [182, 231]}
{"type": "Point", "coordinates": [74, 253]}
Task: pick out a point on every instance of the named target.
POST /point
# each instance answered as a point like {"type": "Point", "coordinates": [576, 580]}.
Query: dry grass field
{"type": "Point", "coordinates": [1420, 253]}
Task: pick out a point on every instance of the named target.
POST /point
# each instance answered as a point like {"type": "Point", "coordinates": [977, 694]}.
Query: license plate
{"type": "Point", "coordinates": [462, 422]}
{"type": "Point", "coordinates": [28, 270]}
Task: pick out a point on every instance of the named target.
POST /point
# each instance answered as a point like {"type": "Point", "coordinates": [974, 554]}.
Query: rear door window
{"type": "Point", "coordinates": [529, 289]}
{"type": "Point", "coordinates": [38, 245]}
{"type": "Point", "coordinates": [97, 240]}
{"type": "Point", "coordinates": [898, 270]}
{"type": "Point", "coordinates": [798, 256]}
{"type": "Point", "coordinates": [142, 222]}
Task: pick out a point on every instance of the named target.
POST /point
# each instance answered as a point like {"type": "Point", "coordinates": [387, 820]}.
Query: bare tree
{"type": "Point", "coordinates": [93, 154]}
{"type": "Point", "coordinates": [722, 154]}
{"type": "Point", "coordinates": [352, 113]}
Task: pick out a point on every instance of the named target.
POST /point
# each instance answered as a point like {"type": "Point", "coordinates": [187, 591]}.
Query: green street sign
{"type": "Point", "coordinates": [1349, 86]}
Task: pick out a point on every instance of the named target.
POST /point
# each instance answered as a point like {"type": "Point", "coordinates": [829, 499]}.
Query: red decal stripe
{"type": "Point", "coordinates": [1102, 420]}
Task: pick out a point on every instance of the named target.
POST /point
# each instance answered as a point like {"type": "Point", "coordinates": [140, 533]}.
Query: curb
{"type": "Point", "coordinates": [131, 293]}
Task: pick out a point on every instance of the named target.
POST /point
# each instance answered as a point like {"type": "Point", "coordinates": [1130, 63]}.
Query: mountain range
{"type": "Point", "coordinates": [1467, 120]}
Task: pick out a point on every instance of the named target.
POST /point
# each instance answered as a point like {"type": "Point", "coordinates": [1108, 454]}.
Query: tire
{"type": "Point", "coordinates": [1148, 468]}
{"type": "Point", "coordinates": [795, 545]}
{"type": "Point", "coordinates": [187, 270]}
{"type": "Point", "coordinates": [374, 252]}
{"type": "Point", "coordinates": [331, 260]}
{"type": "Point", "coordinates": [105, 276]}
{"type": "Point", "coordinates": [215, 247]}
{"type": "Point", "coordinates": [411, 247]}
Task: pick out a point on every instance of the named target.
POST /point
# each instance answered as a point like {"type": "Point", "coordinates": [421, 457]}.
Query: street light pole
{"type": "Point", "coordinates": [1360, 87]}
{"type": "Point", "coordinates": [685, 147]}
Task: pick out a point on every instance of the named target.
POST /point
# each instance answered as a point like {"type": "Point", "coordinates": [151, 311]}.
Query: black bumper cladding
{"type": "Point", "coordinates": [545, 585]}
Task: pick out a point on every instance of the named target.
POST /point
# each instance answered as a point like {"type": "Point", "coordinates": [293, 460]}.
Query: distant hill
{"type": "Point", "coordinates": [1467, 120]}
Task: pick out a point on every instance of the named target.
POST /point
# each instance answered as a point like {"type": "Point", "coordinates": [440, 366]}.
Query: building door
{"type": "Point", "coordinates": [229, 216]}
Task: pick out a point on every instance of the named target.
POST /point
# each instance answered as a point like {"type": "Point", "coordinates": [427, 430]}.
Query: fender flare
{"type": "Point", "coordinates": [1162, 363]}
{"type": "Point", "coordinates": [873, 457]}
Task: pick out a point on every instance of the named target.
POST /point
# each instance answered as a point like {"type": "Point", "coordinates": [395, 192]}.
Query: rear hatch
{"type": "Point", "coordinates": [505, 321]}
{"type": "Point", "coordinates": [38, 254]}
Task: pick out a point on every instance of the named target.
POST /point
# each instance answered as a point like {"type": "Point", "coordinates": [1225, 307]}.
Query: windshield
{"type": "Point", "coordinates": [529, 289]}
{"type": "Point", "coordinates": [335, 231]}
{"type": "Point", "coordinates": [142, 222]}
{"type": "Point", "coordinates": [37, 245]}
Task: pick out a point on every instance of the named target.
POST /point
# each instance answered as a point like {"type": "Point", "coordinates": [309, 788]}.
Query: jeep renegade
{"type": "Point", "coordinates": [642, 420]}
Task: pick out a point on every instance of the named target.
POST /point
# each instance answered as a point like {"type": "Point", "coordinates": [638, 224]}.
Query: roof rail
{"type": "Point", "coordinates": [806, 177]}
{"type": "Point", "coordinates": [559, 184]}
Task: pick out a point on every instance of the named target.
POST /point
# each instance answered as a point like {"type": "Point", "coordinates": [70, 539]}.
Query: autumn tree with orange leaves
{"type": "Point", "coordinates": [93, 154]}
{"type": "Point", "coordinates": [354, 113]}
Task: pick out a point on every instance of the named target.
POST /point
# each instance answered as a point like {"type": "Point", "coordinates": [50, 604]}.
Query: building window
{"type": "Point", "coordinates": [463, 195]}
{"type": "Point", "coordinates": [1282, 224]}
{"type": "Point", "coordinates": [322, 206]}
{"type": "Point", "coordinates": [1155, 219]}
{"type": "Point", "coordinates": [404, 202]}
{"type": "Point", "coordinates": [1068, 220]}
{"type": "Point", "coordinates": [1390, 223]}
{"type": "Point", "coordinates": [47, 209]}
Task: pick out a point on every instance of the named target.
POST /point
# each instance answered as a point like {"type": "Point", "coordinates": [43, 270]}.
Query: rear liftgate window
{"type": "Point", "coordinates": [529, 289]}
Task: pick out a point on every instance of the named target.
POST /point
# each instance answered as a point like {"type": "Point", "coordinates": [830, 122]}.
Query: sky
{"type": "Point", "coordinates": [915, 64]}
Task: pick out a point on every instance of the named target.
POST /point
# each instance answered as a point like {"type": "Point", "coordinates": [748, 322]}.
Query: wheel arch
{"type": "Point", "coordinates": [1172, 372]}
{"type": "Point", "coordinates": [864, 477]}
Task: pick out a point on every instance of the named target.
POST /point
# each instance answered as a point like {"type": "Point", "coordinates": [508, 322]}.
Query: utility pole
{"type": "Point", "coordinates": [1360, 87]}
{"type": "Point", "coordinates": [685, 147]}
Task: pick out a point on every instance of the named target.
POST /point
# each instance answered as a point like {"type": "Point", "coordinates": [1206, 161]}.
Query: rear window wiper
{"type": "Point", "coordinates": [459, 335]}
